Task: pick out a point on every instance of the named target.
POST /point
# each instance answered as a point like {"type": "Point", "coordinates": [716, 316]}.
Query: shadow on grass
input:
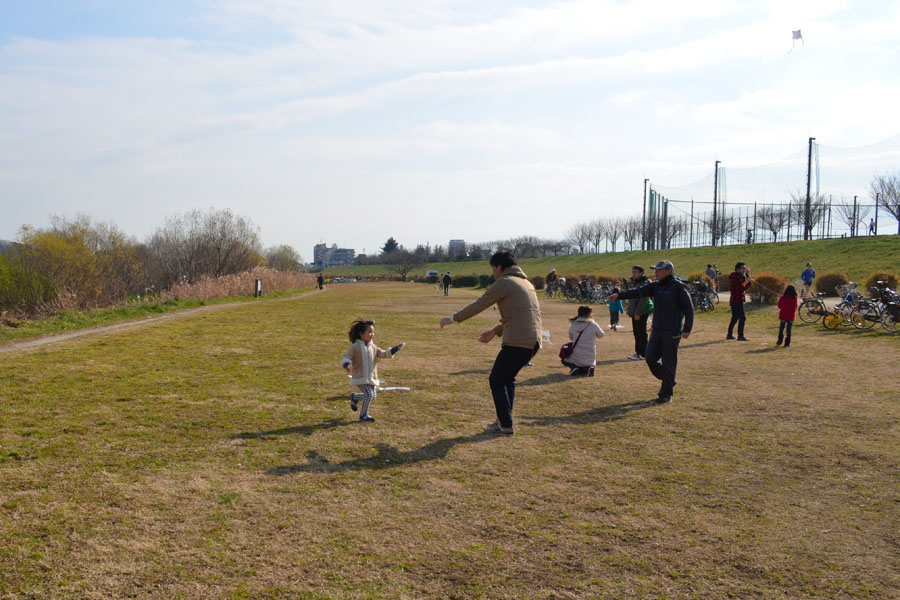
{"type": "Point", "coordinates": [763, 350]}
{"type": "Point", "coordinates": [601, 414]}
{"type": "Point", "coordinates": [386, 457]}
{"type": "Point", "coordinates": [545, 379]}
{"type": "Point", "coordinates": [299, 430]}
{"type": "Point", "coordinates": [472, 372]}
{"type": "Point", "coordinates": [702, 344]}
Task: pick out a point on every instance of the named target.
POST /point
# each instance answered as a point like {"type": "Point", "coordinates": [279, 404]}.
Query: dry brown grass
{"type": "Point", "coordinates": [217, 458]}
{"type": "Point", "coordinates": [240, 284]}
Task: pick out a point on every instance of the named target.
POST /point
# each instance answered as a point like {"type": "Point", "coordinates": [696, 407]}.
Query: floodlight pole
{"type": "Point", "coordinates": [644, 219]}
{"type": "Point", "coordinates": [806, 222]}
{"type": "Point", "coordinates": [715, 201]}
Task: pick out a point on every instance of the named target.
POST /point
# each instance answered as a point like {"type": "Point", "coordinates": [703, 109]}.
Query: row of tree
{"type": "Point", "coordinates": [82, 264]}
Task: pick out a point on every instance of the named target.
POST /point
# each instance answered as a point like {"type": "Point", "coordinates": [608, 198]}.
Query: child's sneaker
{"type": "Point", "coordinates": [367, 419]}
{"type": "Point", "coordinates": [354, 401]}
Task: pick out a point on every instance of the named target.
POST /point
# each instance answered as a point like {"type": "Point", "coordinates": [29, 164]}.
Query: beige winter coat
{"type": "Point", "coordinates": [362, 357]}
{"type": "Point", "coordinates": [520, 312]}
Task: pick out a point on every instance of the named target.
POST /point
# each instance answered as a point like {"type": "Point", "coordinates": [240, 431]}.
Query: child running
{"type": "Point", "coordinates": [359, 361]}
{"type": "Point", "coordinates": [615, 308]}
{"type": "Point", "coordinates": [787, 305]}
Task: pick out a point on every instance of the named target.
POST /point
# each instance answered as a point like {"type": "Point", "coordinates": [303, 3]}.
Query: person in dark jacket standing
{"type": "Point", "coordinates": [673, 319]}
{"type": "Point", "coordinates": [321, 281]}
{"type": "Point", "coordinates": [739, 282]}
{"type": "Point", "coordinates": [637, 310]}
{"type": "Point", "coordinates": [445, 281]}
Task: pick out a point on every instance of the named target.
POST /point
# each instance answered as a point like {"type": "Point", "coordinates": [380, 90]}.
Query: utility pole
{"type": "Point", "coordinates": [806, 212]}
{"type": "Point", "coordinates": [644, 219]}
{"type": "Point", "coordinates": [715, 223]}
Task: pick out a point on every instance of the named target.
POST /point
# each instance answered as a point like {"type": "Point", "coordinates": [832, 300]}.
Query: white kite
{"type": "Point", "coordinates": [796, 35]}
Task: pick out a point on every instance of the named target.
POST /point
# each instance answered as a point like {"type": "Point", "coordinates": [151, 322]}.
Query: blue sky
{"type": "Point", "coordinates": [350, 121]}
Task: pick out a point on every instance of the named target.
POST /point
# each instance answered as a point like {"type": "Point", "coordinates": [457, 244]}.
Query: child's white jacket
{"type": "Point", "coordinates": [362, 356]}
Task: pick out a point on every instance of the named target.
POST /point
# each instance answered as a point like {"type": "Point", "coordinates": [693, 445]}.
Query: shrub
{"type": "Point", "coordinates": [607, 278]}
{"type": "Point", "coordinates": [465, 281]}
{"type": "Point", "coordinates": [538, 282]}
{"type": "Point", "coordinates": [888, 277]}
{"type": "Point", "coordinates": [485, 280]}
{"type": "Point", "coordinates": [700, 275]}
{"type": "Point", "coordinates": [768, 287]}
{"type": "Point", "coordinates": [724, 282]}
{"type": "Point", "coordinates": [828, 282]}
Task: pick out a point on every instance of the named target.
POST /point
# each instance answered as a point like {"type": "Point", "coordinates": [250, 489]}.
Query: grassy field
{"type": "Point", "coordinates": [216, 457]}
{"type": "Point", "coordinates": [855, 257]}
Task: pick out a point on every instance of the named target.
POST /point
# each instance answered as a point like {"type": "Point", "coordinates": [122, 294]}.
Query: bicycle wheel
{"type": "Point", "coordinates": [810, 311]}
{"type": "Point", "coordinates": [844, 309]}
{"type": "Point", "coordinates": [864, 315]}
{"type": "Point", "coordinates": [714, 297]}
{"type": "Point", "coordinates": [890, 320]}
{"type": "Point", "coordinates": [831, 321]}
{"type": "Point", "coordinates": [708, 304]}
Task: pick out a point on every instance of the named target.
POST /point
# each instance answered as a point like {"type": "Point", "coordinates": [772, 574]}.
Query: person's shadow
{"type": "Point", "coordinates": [601, 414]}
{"type": "Point", "coordinates": [298, 430]}
{"type": "Point", "coordinates": [386, 457]}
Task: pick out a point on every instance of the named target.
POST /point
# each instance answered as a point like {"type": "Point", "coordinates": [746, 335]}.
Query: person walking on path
{"type": "Point", "coordinates": [673, 319]}
{"type": "Point", "coordinates": [638, 310]}
{"type": "Point", "coordinates": [359, 361]}
{"type": "Point", "coordinates": [519, 330]}
{"type": "Point", "coordinates": [585, 332]}
{"type": "Point", "coordinates": [321, 281]}
{"type": "Point", "coordinates": [787, 311]}
{"type": "Point", "coordinates": [739, 282]}
{"type": "Point", "coordinates": [807, 277]}
{"type": "Point", "coordinates": [445, 280]}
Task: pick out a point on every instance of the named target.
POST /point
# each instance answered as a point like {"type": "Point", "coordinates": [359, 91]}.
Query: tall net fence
{"type": "Point", "coordinates": [768, 203]}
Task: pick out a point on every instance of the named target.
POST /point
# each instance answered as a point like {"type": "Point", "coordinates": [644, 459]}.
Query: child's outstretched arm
{"type": "Point", "coordinates": [347, 360]}
{"type": "Point", "coordinates": [397, 348]}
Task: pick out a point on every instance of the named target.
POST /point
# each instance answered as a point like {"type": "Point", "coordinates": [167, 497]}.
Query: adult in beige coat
{"type": "Point", "coordinates": [519, 330]}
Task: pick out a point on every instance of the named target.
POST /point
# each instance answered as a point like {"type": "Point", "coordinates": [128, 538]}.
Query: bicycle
{"type": "Point", "coordinates": [882, 300]}
{"type": "Point", "coordinates": [841, 316]}
{"type": "Point", "coordinates": [812, 308]}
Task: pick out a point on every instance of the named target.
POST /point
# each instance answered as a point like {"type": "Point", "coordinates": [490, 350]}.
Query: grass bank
{"type": "Point", "coordinates": [216, 457]}
{"type": "Point", "coordinates": [855, 257]}
{"type": "Point", "coordinates": [73, 320]}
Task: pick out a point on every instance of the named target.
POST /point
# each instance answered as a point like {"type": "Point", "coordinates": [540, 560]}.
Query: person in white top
{"type": "Point", "coordinates": [584, 355]}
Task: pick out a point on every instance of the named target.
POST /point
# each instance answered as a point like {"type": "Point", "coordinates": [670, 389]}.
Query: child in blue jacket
{"type": "Point", "coordinates": [615, 307]}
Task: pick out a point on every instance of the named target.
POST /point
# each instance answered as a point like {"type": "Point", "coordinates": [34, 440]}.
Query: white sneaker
{"type": "Point", "coordinates": [635, 357]}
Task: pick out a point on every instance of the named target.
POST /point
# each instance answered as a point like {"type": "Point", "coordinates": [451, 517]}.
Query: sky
{"type": "Point", "coordinates": [351, 121]}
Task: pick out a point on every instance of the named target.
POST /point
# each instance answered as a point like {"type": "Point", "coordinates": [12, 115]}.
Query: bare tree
{"type": "Point", "coordinates": [597, 232]}
{"type": "Point", "coordinates": [579, 236]}
{"type": "Point", "coordinates": [773, 219]}
{"type": "Point", "coordinates": [675, 227]}
{"type": "Point", "coordinates": [632, 228]}
{"type": "Point", "coordinates": [401, 261]}
{"type": "Point", "coordinates": [817, 206]}
{"type": "Point", "coordinates": [885, 190]}
{"type": "Point", "coordinates": [852, 215]}
{"type": "Point", "coordinates": [612, 230]}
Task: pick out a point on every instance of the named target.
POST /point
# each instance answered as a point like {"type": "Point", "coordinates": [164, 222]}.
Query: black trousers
{"type": "Point", "coordinates": [507, 365]}
{"type": "Point", "coordinates": [785, 335]}
{"type": "Point", "coordinates": [640, 335]}
{"type": "Point", "coordinates": [662, 358]}
{"type": "Point", "coordinates": [737, 316]}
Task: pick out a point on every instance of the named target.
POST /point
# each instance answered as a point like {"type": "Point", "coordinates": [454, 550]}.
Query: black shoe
{"type": "Point", "coordinates": [354, 403]}
{"type": "Point", "coordinates": [742, 339]}
{"type": "Point", "coordinates": [367, 419]}
{"type": "Point", "coordinates": [663, 399]}
{"type": "Point", "coordinates": [729, 337]}
{"type": "Point", "coordinates": [590, 371]}
{"type": "Point", "coordinates": [778, 343]}
{"type": "Point", "coordinates": [787, 344]}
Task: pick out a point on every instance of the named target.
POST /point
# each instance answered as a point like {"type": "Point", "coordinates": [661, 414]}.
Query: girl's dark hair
{"type": "Point", "coordinates": [790, 291]}
{"type": "Point", "coordinates": [583, 311]}
{"type": "Point", "coordinates": [358, 327]}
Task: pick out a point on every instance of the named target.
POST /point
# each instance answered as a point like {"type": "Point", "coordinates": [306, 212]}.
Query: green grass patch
{"type": "Point", "coordinates": [855, 257]}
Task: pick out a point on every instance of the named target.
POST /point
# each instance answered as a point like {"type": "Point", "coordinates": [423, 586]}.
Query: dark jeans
{"type": "Point", "coordinates": [785, 336]}
{"type": "Point", "coordinates": [613, 318]}
{"type": "Point", "coordinates": [640, 335]}
{"type": "Point", "coordinates": [509, 362]}
{"type": "Point", "coordinates": [737, 316]}
{"type": "Point", "coordinates": [663, 345]}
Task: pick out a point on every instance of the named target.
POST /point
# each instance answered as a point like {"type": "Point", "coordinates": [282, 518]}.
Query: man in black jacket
{"type": "Point", "coordinates": [673, 319]}
{"type": "Point", "coordinates": [445, 282]}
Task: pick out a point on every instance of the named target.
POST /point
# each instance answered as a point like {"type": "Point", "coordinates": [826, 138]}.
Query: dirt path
{"type": "Point", "coordinates": [39, 342]}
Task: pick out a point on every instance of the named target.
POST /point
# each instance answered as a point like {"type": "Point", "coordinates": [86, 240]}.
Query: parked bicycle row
{"type": "Point", "coordinates": [880, 306]}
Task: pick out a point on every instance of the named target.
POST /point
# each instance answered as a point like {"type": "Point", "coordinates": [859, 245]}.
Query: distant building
{"type": "Point", "coordinates": [456, 248]}
{"type": "Point", "coordinates": [323, 256]}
